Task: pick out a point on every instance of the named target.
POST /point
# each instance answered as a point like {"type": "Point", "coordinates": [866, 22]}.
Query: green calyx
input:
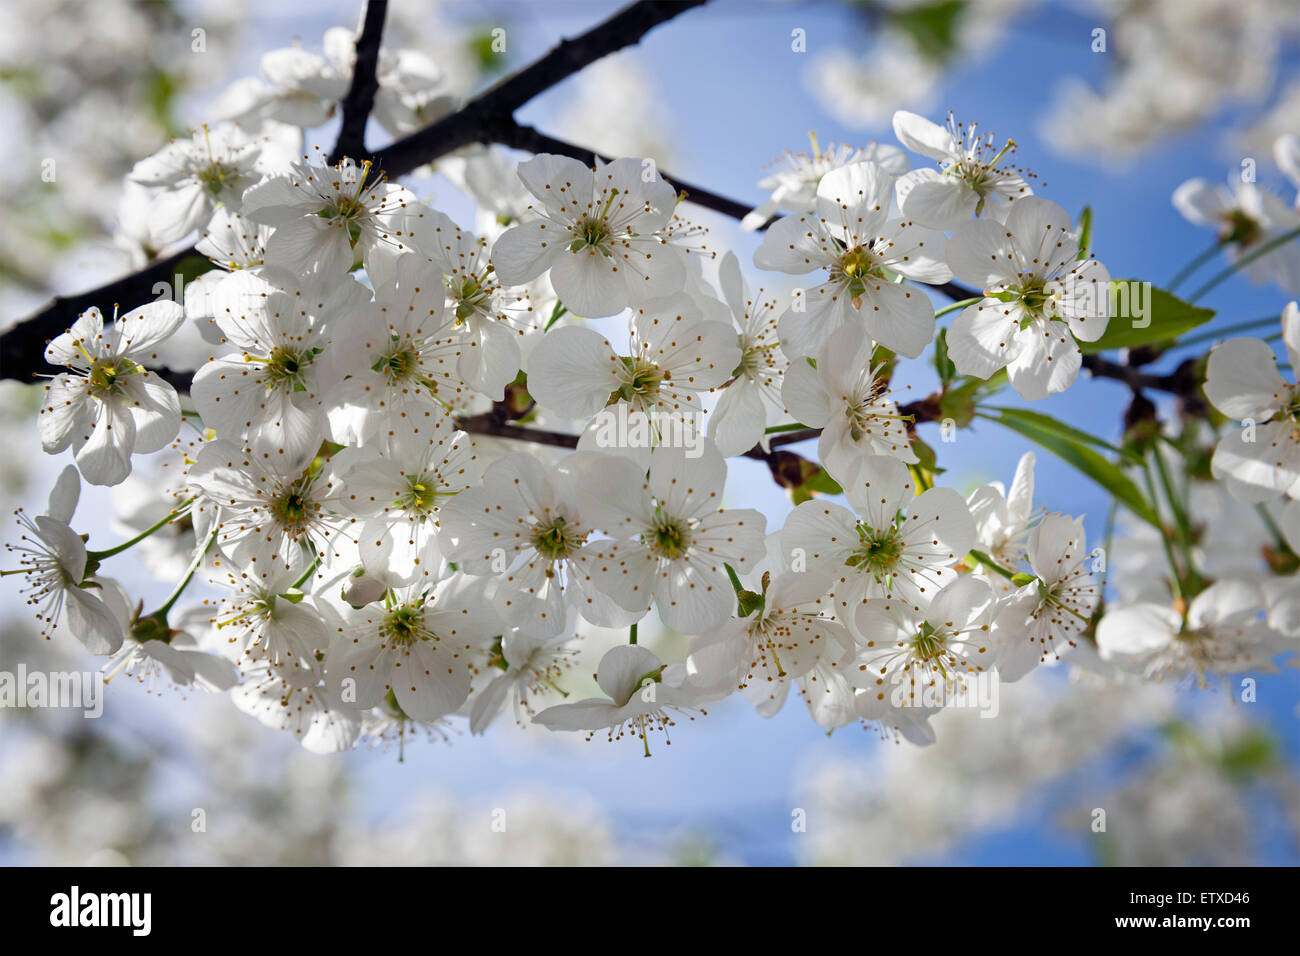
{"type": "Point", "coordinates": [107, 374]}
{"type": "Point", "coordinates": [294, 508]}
{"type": "Point", "coordinates": [590, 233]}
{"type": "Point", "coordinates": [404, 625]}
{"type": "Point", "coordinates": [748, 602]}
{"type": "Point", "coordinates": [152, 628]}
{"type": "Point", "coordinates": [644, 380]}
{"type": "Point", "coordinates": [925, 646]}
{"type": "Point", "coordinates": [667, 536]}
{"type": "Point", "coordinates": [421, 494]}
{"type": "Point", "coordinates": [877, 551]}
{"type": "Point", "coordinates": [553, 541]}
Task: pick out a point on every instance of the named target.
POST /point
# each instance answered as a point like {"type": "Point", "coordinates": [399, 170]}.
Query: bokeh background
{"type": "Point", "coordinates": [1187, 775]}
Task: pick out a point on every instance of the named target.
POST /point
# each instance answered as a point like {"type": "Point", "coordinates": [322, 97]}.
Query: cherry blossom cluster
{"type": "Point", "coordinates": [364, 536]}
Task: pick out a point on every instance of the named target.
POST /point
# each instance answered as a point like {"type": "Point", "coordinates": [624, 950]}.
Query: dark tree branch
{"type": "Point", "coordinates": [485, 119]}
{"type": "Point", "coordinates": [494, 424]}
{"type": "Point", "coordinates": [1182, 381]}
{"type": "Point", "coordinates": [360, 98]}
{"type": "Point", "coordinates": [529, 139]}
{"type": "Point", "coordinates": [490, 116]}
{"type": "Point", "coordinates": [955, 291]}
{"type": "Point", "coordinates": [22, 347]}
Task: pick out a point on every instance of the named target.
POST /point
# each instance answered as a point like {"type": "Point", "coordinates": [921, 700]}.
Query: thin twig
{"type": "Point", "coordinates": [489, 116]}
{"type": "Point", "coordinates": [527, 138]}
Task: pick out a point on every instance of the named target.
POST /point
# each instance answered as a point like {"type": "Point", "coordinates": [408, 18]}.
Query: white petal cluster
{"type": "Point", "coordinates": [426, 473]}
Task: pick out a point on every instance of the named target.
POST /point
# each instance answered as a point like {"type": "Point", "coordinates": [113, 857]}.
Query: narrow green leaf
{"type": "Point", "coordinates": [933, 27]}
{"type": "Point", "coordinates": [942, 363]}
{"type": "Point", "coordinates": [1076, 452]}
{"type": "Point", "coordinates": [1046, 423]}
{"type": "Point", "coordinates": [823, 482]}
{"type": "Point", "coordinates": [1142, 314]}
{"type": "Point", "coordinates": [191, 267]}
{"type": "Point", "coordinates": [1085, 233]}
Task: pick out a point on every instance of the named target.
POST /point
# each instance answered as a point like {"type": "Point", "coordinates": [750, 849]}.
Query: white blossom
{"type": "Point", "coordinates": [109, 406]}
{"type": "Point", "coordinates": [1038, 298]}
{"type": "Point", "coordinates": [852, 236]}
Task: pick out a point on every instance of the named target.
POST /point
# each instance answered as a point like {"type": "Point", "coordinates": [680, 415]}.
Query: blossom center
{"type": "Point", "coordinates": [554, 540]}
{"type": "Point", "coordinates": [667, 537]}
{"type": "Point", "coordinates": [472, 295]}
{"type": "Point", "coordinates": [216, 177]}
{"type": "Point", "coordinates": [878, 551]}
{"type": "Point", "coordinates": [641, 380]}
{"type": "Point", "coordinates": [926, 645]}
{"type": "Point", "coordinates": [399, 363]}
{"type": "Point", "coordinates": [345, 212]}
{"type": "Point", "coordinates": [1240, 227]}
{"type": "Point", "coordinates": [421, 494]}
{"type": "Point", "coordinates": [106, 375]}
{"type": "Point", "coordinates": [858, 266]}
{"type": "Point", "coordinates": [293, 509]}
{"type": "Point", "coordinates": [286, 365]}
{"type": "Point", "coordinates": [590, 232]}
{"type": "Point", "coordinates": [404, 625]}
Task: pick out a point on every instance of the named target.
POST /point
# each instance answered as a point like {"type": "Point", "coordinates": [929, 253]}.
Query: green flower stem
{"type": "Point", "coordinates": [1175, 578]}
{"type": "Point", "coordinates": [1279, 539]}
{"type": "Point", "coordinates": [1181, 521]}
{"type": "Point", "coordinates": [311, 568]}
{"type": "Point", "coordinates": [172, 516]}
{"type": "Point", "coordinates": [163, 611]}
{"type": "Point", "coordinates": [961, 304]}
{"type": "Point", "coordinates": [797, 426]}
{"type": "Point", "coordinates": [1246, 260]}
{"type": "Point", "coordinates": [1192, 266]}
{"type": "Point", "coordinates": [556, 314]}
{"type": "Point", "coordinates": [1229, 329]}
{"type": "Point", "coordinates": [992, 565]}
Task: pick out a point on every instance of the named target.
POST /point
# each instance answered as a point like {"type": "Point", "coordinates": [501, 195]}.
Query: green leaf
{"type": "Point", "coordinates": [1011, 417]}
{"type": "Point", "coordinates": [191, 267]}
{"type": "Point", "coordinates": [932, 27]}
{"type": "Point", "coordinates": [482, 48]}
{"type": "Point", "coordinates": [812, 478]}
{"type": "Point", "coordinates": [1073, 447]}
{"type": "Point", "coordinates": [1162, 317]}
{"type": "Point", "coordinates": [926, 458]}
{"type": "Point", "coordinates": [957, 404]}
{"type": "Point", "coordinates": [1085, 233]}
{"type": "Point", "coordinates": [942, 363]}
{"type": "Point", "coordinates": [823, 482]}
{"type": "Point", "coordinates": [980, 389]}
